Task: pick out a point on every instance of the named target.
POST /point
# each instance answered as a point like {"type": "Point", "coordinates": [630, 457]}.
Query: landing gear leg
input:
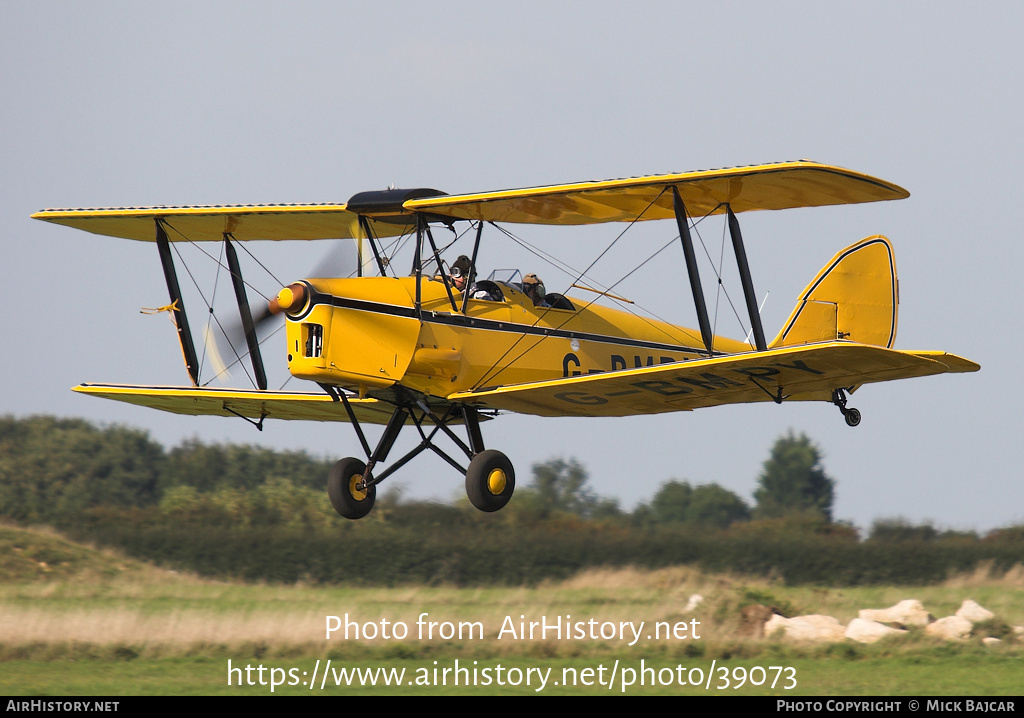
{"type": "Point", "coordinates": [490, 478]}
{"type": "Point", "coordinates": [851, 415]}
{"type": "Point", "coordinates": [351, 486]}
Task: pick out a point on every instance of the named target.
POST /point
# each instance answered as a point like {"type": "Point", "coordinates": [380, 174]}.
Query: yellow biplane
{"type": "Point", "coordinates": [417, 350]}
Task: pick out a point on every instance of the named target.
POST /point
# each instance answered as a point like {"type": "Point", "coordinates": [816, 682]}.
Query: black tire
{"type": "Point", "coordinates": [490, 480]}
{"type": "Point", "coordinates": [852, 417]}
{"type": "Point", "coordinates": [341, 488]}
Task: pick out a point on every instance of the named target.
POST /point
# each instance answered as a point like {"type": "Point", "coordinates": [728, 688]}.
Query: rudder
{"type": "Point", "coordinates": [854, 297]}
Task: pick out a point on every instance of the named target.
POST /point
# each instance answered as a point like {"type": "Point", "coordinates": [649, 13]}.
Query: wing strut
{"type": "Point", "coordinates": [472, 266]}
{"type": "Point", "coordinates": [188, 349]}
{"type": "Point", "coordinates": [440, 270]}
{"type": "Point", "coordinates": [365, 224]}
{"type": "Point", "coordinates": [417, 265]}
{"type": "Point", "coordinates": [691, 268]}
{"type": "Point", "coordinates": [246, 315]}
{"type": "Point", "coordinates": [748, 283]}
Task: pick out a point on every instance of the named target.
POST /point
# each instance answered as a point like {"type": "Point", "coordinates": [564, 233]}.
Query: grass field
{"type": "Point", "coordinates": [74, 621]}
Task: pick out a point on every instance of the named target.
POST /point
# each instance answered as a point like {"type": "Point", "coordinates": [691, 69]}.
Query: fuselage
{"type": "Point", "coordinates": [367, 334]}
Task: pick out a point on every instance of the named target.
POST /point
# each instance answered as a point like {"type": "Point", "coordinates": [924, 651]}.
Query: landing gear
{"type": "Point", "coordinates": [490, 480]}
{"type": "Point", "coordinates": [352, 485]}
{"type": "Point", "coordinates": [851, 415]}
{"type": "Point", "coordinates": [347, 489]}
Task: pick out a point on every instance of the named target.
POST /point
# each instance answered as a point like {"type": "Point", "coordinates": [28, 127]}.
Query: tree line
{"type": "Point", "coordinates": [255, 513]}
{"type": "Point", "coordinates": [53, 469]}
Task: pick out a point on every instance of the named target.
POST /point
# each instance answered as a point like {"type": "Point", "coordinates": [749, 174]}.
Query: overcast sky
{"type": "Point", "coordinates": [117, 104]}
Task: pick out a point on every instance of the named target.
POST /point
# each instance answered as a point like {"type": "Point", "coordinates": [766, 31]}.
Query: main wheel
{"type": "Point", "coordinates": [343, 489]}
{"type": "Point", "coordinates": [490, 480]}
{"type": "Point", "coordinates": [852, 417]}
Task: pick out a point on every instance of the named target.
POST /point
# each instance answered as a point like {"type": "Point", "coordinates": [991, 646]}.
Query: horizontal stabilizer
{"type": "Point", "coordinates": [805, 373]}
{"type": "Point", "coordinates": [952, 362]}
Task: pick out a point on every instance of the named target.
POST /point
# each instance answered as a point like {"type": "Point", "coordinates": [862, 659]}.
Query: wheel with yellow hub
{"type": "Point", "coordinates": [345, 489]}
{"type": "Point", "coordinates": [490, 480]}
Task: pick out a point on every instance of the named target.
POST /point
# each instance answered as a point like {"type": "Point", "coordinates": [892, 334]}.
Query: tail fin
{"type": "Point", "coordinates": [854, 297]}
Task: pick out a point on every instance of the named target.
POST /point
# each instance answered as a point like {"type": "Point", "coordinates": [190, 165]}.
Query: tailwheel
{"type": "Point", "coordinates": [851, 415]}
{"type": "Point", "coordinates": [490, 480]}
{"type": "Point", "coordinates": [349, 495]}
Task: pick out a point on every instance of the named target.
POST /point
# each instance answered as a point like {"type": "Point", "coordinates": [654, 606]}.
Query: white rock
{"type": "Point", "coordinates": [775, 624]}
{"type": "Point", "coordinates": [865, 631]}
{"type": "Point", "coordinates": [952, 628]}
{"type": "Point", "coordinates": [815, 628]}
{"type": "Point", "coordinates": [695, 600]}
{"type": "Point", "coordinates": [909, 612]}
{"type": "Point", "coordinates": [990, 641]}
{"type": "Point", "coordinates": [973, 612]}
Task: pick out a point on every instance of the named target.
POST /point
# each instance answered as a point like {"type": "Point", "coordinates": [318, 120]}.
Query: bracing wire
{"type": "Point", "coordinates": [542, 255]}
{"type": "Point", "coordinates": [210, 308]}
{"type": "Point", "coordinates": [213, 299]}
{"type": "Point", "coordinates": [487, 375]}
{"type": "Point", "coordinates": [718, 275]}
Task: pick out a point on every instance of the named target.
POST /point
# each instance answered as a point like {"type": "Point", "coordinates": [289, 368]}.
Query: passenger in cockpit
{"type": "Point", "coordinates": [534, 289]}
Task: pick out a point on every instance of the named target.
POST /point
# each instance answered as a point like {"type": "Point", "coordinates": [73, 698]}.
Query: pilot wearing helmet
{"type": "Point", "coordinates": [534, 289]}
{"type": "Point", "coordinates": [460, 272]}
{"type": "Point", "coordinates": [463, 275]}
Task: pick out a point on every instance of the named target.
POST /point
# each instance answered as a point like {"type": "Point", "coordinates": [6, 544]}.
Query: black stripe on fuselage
{"type": "Point", "coordinates": [460, 320]}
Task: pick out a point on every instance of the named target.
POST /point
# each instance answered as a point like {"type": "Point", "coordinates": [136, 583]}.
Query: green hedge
{"type": "Point", "coordinates": [482, 550]}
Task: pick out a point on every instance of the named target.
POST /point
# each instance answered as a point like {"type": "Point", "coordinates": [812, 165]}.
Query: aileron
{"type": "Point", "coordinates": [205, 401]}
{"type": "Point", "coordinates": [210, 223]}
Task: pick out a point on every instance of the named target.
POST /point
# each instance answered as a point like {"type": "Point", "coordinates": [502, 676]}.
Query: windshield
{"type": "Point", "coordinates": [507, 276]}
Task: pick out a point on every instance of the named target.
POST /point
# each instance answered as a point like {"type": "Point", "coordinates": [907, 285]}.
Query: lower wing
{"type": "Point", "coordinates": [204, 401]}
{"type": "Point", "coordinates": [803, 373]}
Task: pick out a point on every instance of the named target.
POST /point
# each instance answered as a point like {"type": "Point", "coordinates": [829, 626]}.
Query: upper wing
{"type": "Point", "coordinates": [243, 222]}
{"type": "Point", "coordinates": [780, 185]}
{"type": "Point", "coordinates": [232, 402]}
{"type": "Point", "coordinates": [807, 372]}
